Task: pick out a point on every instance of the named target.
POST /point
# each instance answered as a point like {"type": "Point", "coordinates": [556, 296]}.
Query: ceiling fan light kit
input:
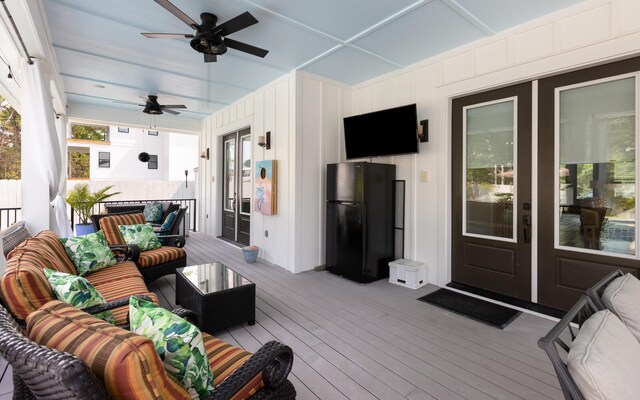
{"type": "Point", "coordinates": [210, 39]}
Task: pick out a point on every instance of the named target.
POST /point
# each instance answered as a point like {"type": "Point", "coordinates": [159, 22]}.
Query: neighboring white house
{"type": "Point", "coordinates": [116, 158]}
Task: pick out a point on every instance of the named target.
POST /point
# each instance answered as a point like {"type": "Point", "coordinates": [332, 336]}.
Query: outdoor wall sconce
{"type": "Point", "coordinates": [144, 157]}
{"type": "Point", "coordinates": [205, 154]}
{"type": "Point", "coordinates": [266, 143]}
{"type": "Point", "coordinates": [423, 136]}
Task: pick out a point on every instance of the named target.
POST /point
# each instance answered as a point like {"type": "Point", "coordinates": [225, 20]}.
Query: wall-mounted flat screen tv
{"type": "Point", "coordinates": [382, 133]}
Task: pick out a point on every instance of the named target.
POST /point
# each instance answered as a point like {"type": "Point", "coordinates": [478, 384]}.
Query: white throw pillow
{"type": "Point", "coordinates": [622, 296]}
{"type": "Point", "coordinates": [604, 359]}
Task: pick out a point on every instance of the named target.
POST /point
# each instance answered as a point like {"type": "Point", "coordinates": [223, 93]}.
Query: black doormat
{"type": "Point", "coordinates": [482, 311]}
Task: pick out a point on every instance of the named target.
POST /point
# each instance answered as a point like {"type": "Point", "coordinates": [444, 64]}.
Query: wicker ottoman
{"type": "Point", "coordinates": [220, 296]}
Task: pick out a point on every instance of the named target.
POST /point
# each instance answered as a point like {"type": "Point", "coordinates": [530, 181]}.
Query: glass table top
{"type": "Point", "coordinates": [213, 277]}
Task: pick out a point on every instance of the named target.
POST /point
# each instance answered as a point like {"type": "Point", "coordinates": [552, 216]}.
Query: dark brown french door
{"type": "Point", "coordinates": [587, 179]}
{"type": "Point", "coordinates": [236, 186]}
{"type": "Point", "coordinates": [491, 193]}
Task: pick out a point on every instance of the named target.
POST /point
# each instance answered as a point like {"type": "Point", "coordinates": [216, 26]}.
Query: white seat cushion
{"type": "Point", "coordinates": [604, 359]}
{"type": "Point", "coordinates": [622, 296]}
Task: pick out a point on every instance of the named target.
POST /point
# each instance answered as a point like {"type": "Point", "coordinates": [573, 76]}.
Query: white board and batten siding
{"type": "Point", "coordinates": [304, 114]}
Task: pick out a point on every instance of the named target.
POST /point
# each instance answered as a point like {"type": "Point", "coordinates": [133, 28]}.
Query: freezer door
{"type": "Point", "coordinates": [345, 182]}
{"type": "Point", "coordinates": [344, 241]}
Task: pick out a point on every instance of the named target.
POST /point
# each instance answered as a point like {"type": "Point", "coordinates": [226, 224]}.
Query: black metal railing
{"type": "Point", "coordinates": [9, 216]}
{"type": "Point", "coordinates": [99, 208]}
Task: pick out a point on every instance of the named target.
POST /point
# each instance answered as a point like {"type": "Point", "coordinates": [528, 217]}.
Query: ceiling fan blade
{"type": "Point", "coordinates": [167, 5]}
{"type": "Point", "coordinates": [170, 111]}
{"type": "Point", "coordinates": [123, 102]}
{"type": "Point", "coordinates": [210, 58]}
{"type": "Point", "coordinates": [247, 48]}
{"type": "Point", "coordinates": [168, 35]}
{"type": "Point", "coordinates": [173, 106]}
{"type": "Point", "coordinates": [242, 21]}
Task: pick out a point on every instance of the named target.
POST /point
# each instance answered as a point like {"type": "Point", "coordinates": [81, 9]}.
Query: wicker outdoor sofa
{"type": "Point", "coordinates": [60, 352]}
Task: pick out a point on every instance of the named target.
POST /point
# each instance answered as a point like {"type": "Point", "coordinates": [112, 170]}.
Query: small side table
{"type": "Point", "coordinates": [220, 296]}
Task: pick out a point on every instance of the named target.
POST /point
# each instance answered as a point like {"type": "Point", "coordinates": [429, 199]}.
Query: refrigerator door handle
{"type": "Point", "coordinates": [346, 203]}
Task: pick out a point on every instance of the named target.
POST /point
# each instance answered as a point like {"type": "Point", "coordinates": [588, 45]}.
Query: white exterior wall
{"type": "Point", "coordinates": [587, 34]}
{"type": "Point", "coordinates": [304, 137]}
{"type": "Point", "coordinates": [176, 153]}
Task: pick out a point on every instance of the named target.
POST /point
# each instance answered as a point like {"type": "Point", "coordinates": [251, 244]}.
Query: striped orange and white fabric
{"type": "Point", "coordinates": [109, 226]}
{"type": "Point", "coordinates": [126, 363]}
{"type": "Point", "coordinates": [24, 288]}
{"type": "Point", "coordinates": [160, 256]}
{"type": "Point", "coordinates": [48, 247]}
{"type": "Point", "coordinates": [224, 359]}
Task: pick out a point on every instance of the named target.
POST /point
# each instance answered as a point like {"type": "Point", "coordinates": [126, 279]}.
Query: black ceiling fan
{"type": "Point", "coordinates": [210, 39]}
{"type": "Point", "coordinates": [151, 106]}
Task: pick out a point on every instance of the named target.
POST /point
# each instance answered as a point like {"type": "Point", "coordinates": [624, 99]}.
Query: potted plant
{"type": "Point", "coordinates": [82, 201]}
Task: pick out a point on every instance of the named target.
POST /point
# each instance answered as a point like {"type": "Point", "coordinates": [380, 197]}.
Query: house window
{"type": "Point", "coordinates": [123, 130]}
{"type": "Point", "coordinates": [104, 159]}
{"type": "Point", "coordinates": [153, 133]}
{"type": "Point", "coordinates": [90, 132]}
{"type": "Point", "coordinates": [153, 162]}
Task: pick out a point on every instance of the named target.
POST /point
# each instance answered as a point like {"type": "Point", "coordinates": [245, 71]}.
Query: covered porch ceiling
{"type": "Point", "coordinates": [102, 57]}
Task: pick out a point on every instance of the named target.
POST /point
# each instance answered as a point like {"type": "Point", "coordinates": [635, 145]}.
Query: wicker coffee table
{"type": "Point", "coordinates": [220, 296]}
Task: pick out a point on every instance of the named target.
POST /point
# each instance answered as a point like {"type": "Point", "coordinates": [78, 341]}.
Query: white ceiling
{"type": "Point", "coordinates": [98, 43]}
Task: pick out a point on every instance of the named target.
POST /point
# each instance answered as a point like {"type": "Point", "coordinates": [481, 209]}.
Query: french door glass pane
{"type": "Point", "coordinates": [490, 168]}
{"type": "Point", "coordinates": [597, 167]}
{"type": "Point", "coordinates": [245, 190]}
{"type": "Point", "coordinates": [229, 173]}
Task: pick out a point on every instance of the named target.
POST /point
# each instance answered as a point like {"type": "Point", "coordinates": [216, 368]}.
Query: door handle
{"type": "Point", "coordinates": [526, 228]}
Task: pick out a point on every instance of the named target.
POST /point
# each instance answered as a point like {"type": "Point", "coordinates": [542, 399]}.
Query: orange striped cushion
{"type": "Point", "coordinates": [109, 226]}
{"type": "Point", "coordinates": [51, 256]}
{"type": "Point", "coordinates": [224, 359]}
{"type": "Point", "coordinates": [121, 270]}
{"type": "Point", "coordinates": [120, 286]}
{"type": "Point", "coordinates": [53, 240]}
{"type": "Point", "coordinates": [24, 286]}
{"type": "Point", "coordinates": [160, 256]}
{"type": "Point", "coordinates": [127, 363]}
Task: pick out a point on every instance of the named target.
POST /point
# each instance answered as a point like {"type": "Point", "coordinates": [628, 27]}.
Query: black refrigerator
{"type": "Point", "coordinates": [360, 220]}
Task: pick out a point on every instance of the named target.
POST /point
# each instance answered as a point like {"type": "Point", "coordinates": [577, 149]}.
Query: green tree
{"type": "Point", "coordinates": [79, 165]}
{"type": "Point", "coordinates": [89, 132]}
{"type": "Point", "coordinates": [10, 141]}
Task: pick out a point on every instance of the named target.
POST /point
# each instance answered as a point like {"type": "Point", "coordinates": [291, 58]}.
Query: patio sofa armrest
{"type": "Point", "coordinates": [172, 240]}
{"type": "Point", "coordinates": [129, 252]}
{"type": "Point", "coordinates": [13, 236]}
{"type": "Point", "coordinates": [186, 314]}
{"type": "Point", "coordinates": [273, 360]}
{"type": "Point", "coordinates": [123, 301]}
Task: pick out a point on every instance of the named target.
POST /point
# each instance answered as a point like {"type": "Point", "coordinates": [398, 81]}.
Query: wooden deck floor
{"type": "Point", "coordinates": [376, 341]}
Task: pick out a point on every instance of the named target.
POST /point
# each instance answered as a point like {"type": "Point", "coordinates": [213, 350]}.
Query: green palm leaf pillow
{"type": "Point", "coordinates": [78, 292]}
{"type": "Point", "coordinates": [89, 253]}
{"type": "Point", "coordinates": [178, 343]}
{"type": "Point", "coordinates": [141, 235]}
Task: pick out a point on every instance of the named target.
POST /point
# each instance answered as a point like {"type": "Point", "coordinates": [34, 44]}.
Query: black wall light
{"type": "Point", "coordinates": [144, 157]}
{"type": "Point", "coordinates": [424, 136]}
{"type": "Point", "coordinates": [205, 154]}
{"type": "Point", "coordinates": [265, 141]}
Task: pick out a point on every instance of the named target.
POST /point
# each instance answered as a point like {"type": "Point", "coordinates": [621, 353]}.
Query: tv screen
{"type": "Point", "coordinates": [382, 133]}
